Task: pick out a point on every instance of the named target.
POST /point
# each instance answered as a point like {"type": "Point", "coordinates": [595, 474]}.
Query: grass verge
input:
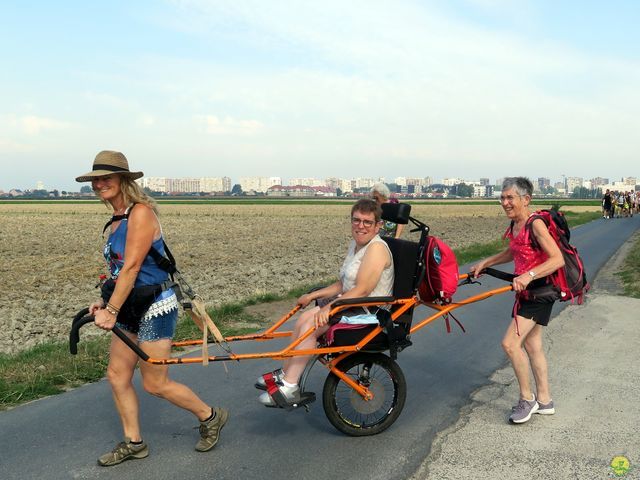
{"type": "Point", "coordinates": [48, 369]}
{"type": "Point", "coordinates": [630, 273]}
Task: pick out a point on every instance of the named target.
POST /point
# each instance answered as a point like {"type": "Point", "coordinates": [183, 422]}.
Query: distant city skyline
{"type": "Point", "coordinates": [473, 88]}
{"type": "Point", "coordinates": [225, 183]}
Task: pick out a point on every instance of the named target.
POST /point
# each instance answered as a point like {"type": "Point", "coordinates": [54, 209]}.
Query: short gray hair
{"type": "Point", "coordinates": [522, 185]}
{"type": "Point", "coordinates": [382, 189]}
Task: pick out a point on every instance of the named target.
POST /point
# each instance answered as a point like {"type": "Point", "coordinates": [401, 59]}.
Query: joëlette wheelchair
{"type": "Point", "coordinates": [365, 390]}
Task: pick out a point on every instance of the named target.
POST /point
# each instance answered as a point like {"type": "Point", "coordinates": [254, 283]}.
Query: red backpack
{"type": "Point", "coordinates": [569, 282]}
{"type": "Point", "coordinates": [441, 272]}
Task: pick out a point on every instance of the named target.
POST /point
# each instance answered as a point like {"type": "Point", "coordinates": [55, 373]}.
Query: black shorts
{"type": "Point", "coordinates": [539, 312]}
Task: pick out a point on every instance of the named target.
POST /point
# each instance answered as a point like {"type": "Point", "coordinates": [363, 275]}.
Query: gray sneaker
{"type": "Point", "coordinates": [546, 408]}
{"type": "Point", "coordinates": [523, 410]}
{"type": "Point", "coordinates": [210, 431]}
{"type": "Point", "coordinates": [124, 451]}
{"type": "Point", "coordinates": [278, 376]}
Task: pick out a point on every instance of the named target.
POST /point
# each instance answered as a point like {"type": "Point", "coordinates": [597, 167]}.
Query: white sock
{"type": "Point", "coordinates": [287, 384]}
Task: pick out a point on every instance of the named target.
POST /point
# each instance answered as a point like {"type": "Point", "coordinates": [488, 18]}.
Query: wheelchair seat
{"type": "Point", "coordinates": [408, 271]}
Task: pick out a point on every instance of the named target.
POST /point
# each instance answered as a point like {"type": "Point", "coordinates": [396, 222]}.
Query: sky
{"type": "Point", "coordinates": [449, 88]}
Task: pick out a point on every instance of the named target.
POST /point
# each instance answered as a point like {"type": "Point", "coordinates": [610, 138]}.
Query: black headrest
{"type": "Point", "coordinates": [396, 212]}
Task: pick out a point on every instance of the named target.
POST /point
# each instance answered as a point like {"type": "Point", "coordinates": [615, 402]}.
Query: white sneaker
{"type": "Point", "coordinates": [291, 395]}
{"type": "Point", "coordinates": [278, 376]}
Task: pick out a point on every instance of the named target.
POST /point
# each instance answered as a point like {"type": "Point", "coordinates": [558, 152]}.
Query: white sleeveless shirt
{"type": "Point", "coordinates": [351, 265]}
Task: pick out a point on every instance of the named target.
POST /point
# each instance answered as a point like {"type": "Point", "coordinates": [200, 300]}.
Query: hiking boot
{"type": "Point", "coordinates": [523, 410]}
{"type": "Point", "coordinates": [291, 395]}
{"type": "Point", "coordinates": [124, 451]}
{"type": "Point", "coordinates": [278, 376]}
{"type": "Point", "coordinates": [546, 408]}
{"type": "Point", "coordinates": [210, 430]}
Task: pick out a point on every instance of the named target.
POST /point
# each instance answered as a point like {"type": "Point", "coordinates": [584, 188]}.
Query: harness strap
{"type": "Point", "coordinates": [516, 306]}
{"type": "Point", "coordinates": [448, 325]}
{"type": "Point", "coordinates": [193, 304]}
{"type": "Point", "coordinates": [166, 264]}
{"type": "Point", "coordinates": [115, 218]}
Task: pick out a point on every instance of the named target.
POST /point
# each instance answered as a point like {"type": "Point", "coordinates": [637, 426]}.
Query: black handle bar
{"type": "Point", "coordinates": [82, 318]}
{"type": "Point", "coordinates": [508, 277]}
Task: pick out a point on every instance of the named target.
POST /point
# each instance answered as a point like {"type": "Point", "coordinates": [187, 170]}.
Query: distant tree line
{"type": "Point", "coordinates": [583, 192]}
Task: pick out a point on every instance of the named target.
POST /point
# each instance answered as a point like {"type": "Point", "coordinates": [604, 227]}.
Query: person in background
{"type": "Point", "coordinates": [606, 204]}
{"type": "Point", "coordinates": [133, 232]}
{"type": "Point", "coordinates": [381, 194]}
{"type": "Point", "coordinates": [620, 207]}
{"type": "Point", "coordinates": [529, 316]}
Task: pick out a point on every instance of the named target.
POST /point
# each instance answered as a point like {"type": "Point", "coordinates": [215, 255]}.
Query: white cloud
{"type": "Point", "coordinates": [33, 125]}
{"type": "Point", "coordinates": [108, 100]}
{"type": "Point", "coordinates": [228, 125]}
{"type": "Point", "coordinates": [385, 75]}
{"type": "Point", "coordinates": [10, 146]}
{"type": "Point", "coordinates": [146, 120]}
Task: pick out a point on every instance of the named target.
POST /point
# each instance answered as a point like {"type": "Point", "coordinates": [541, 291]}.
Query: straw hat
{"type": "Point", "coordinates": [108, 162]}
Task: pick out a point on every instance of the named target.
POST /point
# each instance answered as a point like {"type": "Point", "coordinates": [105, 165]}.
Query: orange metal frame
{"type": "Point", "coordinates": [341, 351]}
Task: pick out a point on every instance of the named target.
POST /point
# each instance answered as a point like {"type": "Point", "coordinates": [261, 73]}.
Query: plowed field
{"type": "Point", "coordinates": [51, 253]}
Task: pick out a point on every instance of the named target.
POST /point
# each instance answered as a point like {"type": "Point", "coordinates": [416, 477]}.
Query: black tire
{"type": "Point", "coordinates": [355, 416]}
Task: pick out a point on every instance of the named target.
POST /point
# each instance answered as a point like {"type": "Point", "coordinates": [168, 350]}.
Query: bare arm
{"type": "Point", "coordinates": [399, 230]}
{"type": "Point", "coordinates": [375, 260]}
{"type": "Point", "coordinates": [504, 256]}
{"type": "Point", "coordinates": [326, 292]}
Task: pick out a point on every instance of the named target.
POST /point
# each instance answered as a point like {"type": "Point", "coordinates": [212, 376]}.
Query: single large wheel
{"type": "Point", "coordinates": [352, 414]}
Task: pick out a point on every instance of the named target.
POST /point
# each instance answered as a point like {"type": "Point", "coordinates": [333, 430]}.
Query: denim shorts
{"type": "Point", "coordinates": [156, 328]}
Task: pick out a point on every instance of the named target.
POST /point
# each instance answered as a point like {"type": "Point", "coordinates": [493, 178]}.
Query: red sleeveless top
{"type": "Point", "coordinates": [525, 257]}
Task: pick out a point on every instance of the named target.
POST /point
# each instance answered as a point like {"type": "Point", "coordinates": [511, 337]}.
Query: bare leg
{"type": "Point", "coordinates": [122, 363]}
{"type": "Point", "coordinates": [294, 366]}
{"type": "Point", "coordinates": [533, 346]}
{"type": "Point", "coordinates": [512, 345]}
{"type": "Point", "coordinates": [156, 381]}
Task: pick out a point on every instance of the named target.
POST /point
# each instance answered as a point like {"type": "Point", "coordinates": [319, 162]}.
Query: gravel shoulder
{"type": "Point", "coordinates": [593, 357]}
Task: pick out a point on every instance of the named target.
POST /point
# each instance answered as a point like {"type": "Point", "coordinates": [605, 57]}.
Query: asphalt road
{"type": "Point", "coordinates": [61, 436]}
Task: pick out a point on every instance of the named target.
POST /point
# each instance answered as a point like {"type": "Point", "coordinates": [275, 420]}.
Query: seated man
{"type": "Point", "coordinates": [367, 271]}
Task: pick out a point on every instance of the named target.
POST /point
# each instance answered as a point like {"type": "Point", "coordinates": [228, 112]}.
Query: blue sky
{"type": "Point", "coordinates": [466, 88]}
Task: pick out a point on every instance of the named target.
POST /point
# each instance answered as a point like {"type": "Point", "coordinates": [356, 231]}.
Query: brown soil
{"type": "Point", "coordinates": [52, 254]}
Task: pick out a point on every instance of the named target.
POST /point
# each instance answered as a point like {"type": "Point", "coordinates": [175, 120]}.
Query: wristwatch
{"type": "Point", "coordinates": [532, 274]}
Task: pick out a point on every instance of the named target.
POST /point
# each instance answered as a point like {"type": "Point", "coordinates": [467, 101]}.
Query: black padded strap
{"type": "Point", "coordinates": [508, 277]}
{"type": "Point", "coordinates": [166, 264]}
{"type": "Point", "coordinates": [115, 218]}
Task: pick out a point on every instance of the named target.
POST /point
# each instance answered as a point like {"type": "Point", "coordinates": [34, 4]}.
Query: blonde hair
{"type": "Point", "coordinates": [133, 193]}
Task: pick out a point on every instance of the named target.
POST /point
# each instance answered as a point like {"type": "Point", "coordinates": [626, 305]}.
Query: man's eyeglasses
{"type": "Point", "coordinates": [355, 221]}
